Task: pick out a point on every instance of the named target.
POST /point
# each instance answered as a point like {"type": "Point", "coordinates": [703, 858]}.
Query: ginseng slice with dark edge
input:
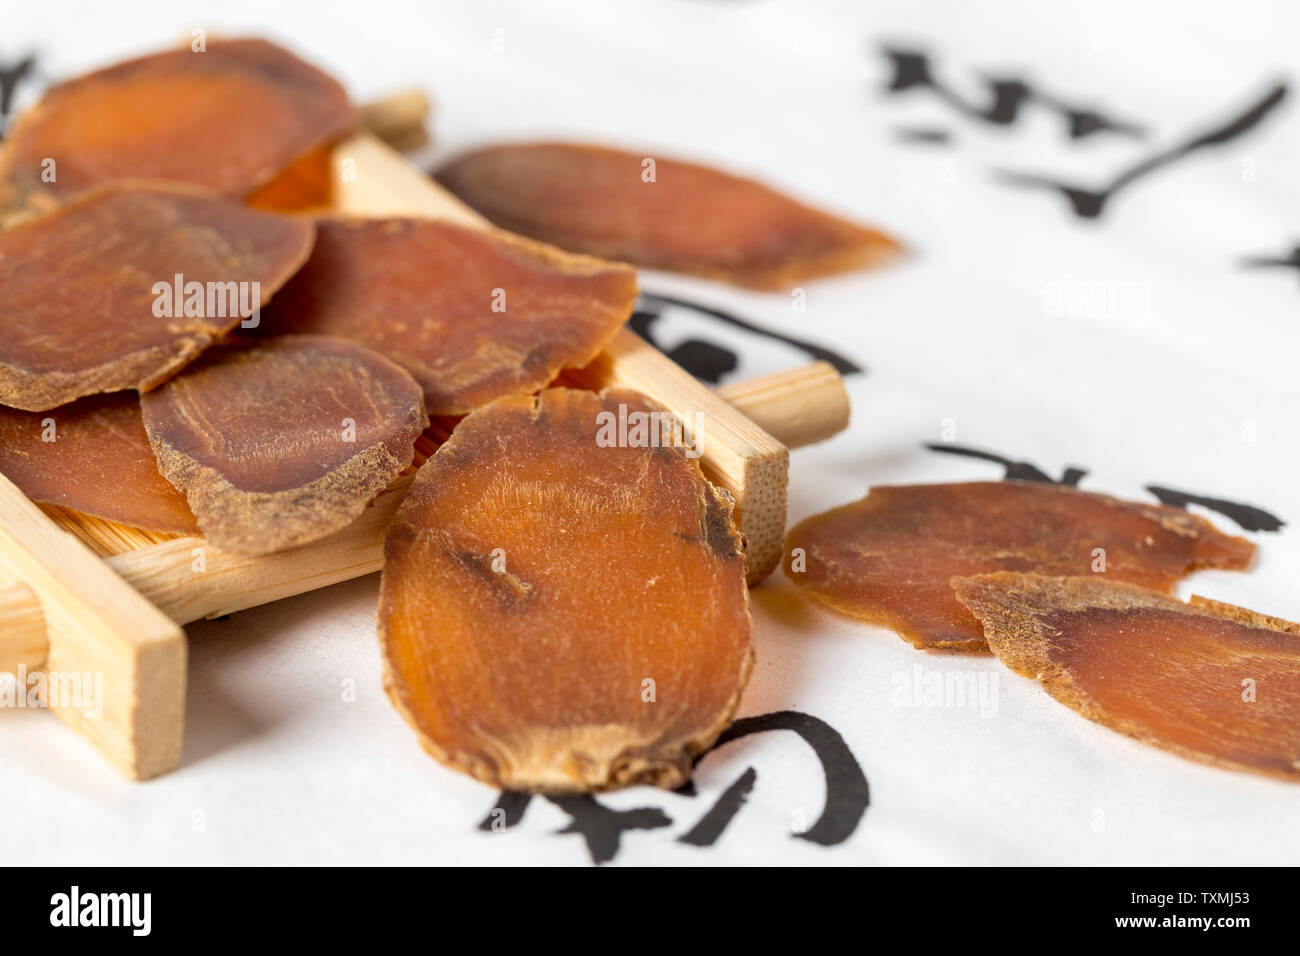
{"type": "Point", "coordinates": [660, 213]}
{"type": "Point", "coordinates": [126, 284]}
{"type": "Point", "coordinates": [285, 441]}
{"type": "Point", "coordinates": [92, 456]}
{"type": "Point", "coordinates": [228, 118]}
{"type": "Point", "coordinates": [473, 315]}
{"type": "Point", "coordinates": [888, 558]}
{"type": "Point", "coordinates": [560, 613]}
{"type": "Point", "coordinates": [1205, 680]}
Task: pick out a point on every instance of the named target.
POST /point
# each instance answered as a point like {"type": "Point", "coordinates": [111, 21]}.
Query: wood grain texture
{"type": "Point", "coordinates": [800, 407]}
{"type": "Point", "coordinates": [97, 624]}
{"type": "Point", "coordinates": [22, 626]}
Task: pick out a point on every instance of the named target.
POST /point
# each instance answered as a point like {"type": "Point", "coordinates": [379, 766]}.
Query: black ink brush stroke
{"type": "Point", "coordinates": [651, 305]}
{"type": "Point", "coordinates": [710, 826]}
{"type": "Point", "coordinates": [847, 795]}
{"type": "Point", "coordinates": [1013, 470]}
{"type": "Point", "coordinates": [1081, 123]}
{"type": "Point", "coordinates": [704, 360]}
{"type": "Point", "coordinates": [600, 826]}
{"type": "Point", "coordinates": [1248, 517]}
{"type": "Point", "coordinates": [1289, 261]}
{"type": "Point", "coordinates": [912, 70]}
{"type": "Point", "coordinates": [11, 78]}
{"type": "Point", "coordinates": [921, 134]}
{"type": "Point", "coordinates": [1091, 203]}
{"type": "Point", "coordinates": [511, 806]}
{"type": "Point", "coordinates": [847, 792]}
{"type": "Point", "coordinates": [603, 827]}
{"type": "Point", "coordinates": [1007, 98]}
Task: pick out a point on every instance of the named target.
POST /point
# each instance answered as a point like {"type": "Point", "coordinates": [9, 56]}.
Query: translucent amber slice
{"type": "Point", "coordinates": [688, 218]}
{"type": "Point", "coordinates": [284, 442]}
{"type": "Point", "coordinates": [888, 558]}
{"type": "Point", "coordinates": [228, 118]}
{"type": "Point", "coordinates": [303, 187]}
{"type": "Point", "coordinates": [558, 612]}
{"type": "Point", "coordinates": [126, 284]}
{"type": "Point", "coordinates": [1209, 681]}
{"type": "Point", "coordinates": [472, 315]}
{"type": "Point", "coordinates": [92, 456]}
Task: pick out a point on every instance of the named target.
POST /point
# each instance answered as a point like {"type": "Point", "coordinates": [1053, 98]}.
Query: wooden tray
{"type": "Point", "coordinates": [83, 595]}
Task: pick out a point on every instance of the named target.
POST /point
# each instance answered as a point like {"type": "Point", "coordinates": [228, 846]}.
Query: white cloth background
{"type": "Point", "coordinates": [1179, 371]}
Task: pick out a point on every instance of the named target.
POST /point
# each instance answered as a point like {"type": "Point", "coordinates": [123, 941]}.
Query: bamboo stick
{"type": "Point", "coordinates": [22, 627]}
{"type": "Point", "coordinates": [100, 629]}
{"type": "Point", "coordinates": [800, 407]}
{"type": "Point", "coordinates": [188, 579]}
{"type": "Point", "coordinates": [399, 120]}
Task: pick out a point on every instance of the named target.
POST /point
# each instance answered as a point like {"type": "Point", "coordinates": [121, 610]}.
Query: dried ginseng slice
{"type": "Point", "coordinates": [92, 456]}
{"type": "Point", "coordinates": [126, 284]}
{"type": "Point", "coordinates": [560, 612]}
{"type": "Point", "coordinates": [687, 218]}
{"type": "Point", "coordinates": [286, 441]}
{"type": "Point", "coordinates": [228, 118]}
{"type": "Point", "coordinates": [1149, 666]}
{"type": "Point", "coordinates": [888, 557]}
{"type": "Point", "coordinates": [473, 315]}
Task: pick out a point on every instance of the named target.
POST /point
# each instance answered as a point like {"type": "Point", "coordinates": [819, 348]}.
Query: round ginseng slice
{"type": "Point", "coordinates": [228, 117]}
{"type": "Point", "coordinates": [127, 283]}
{"type": "Point", "coordinates": [563, 606]}
{"type": "Point", "coordinates": [92, 456]}
{"type": "Point", "coordinates": [285, 441]}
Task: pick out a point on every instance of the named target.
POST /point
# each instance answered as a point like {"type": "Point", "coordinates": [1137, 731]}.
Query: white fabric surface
{"type": "Point", "coordinates": [1194, 388]}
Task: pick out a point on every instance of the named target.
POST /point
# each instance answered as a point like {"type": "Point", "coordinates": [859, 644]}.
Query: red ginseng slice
{"type": "Point", "coordinates": [472, 314]}
{"type": "Point", "coordinates": [888, 558]}
{"type": "Point", "coordinates": [92, 456]}
{"type": "Point", "coordinates": [127, 283]}
{"type": "Point", "coordinates": [1205, 680]}
{"type": "Point", "coordinates": [687, 218]}
{"type": "Point", "coordinates": [560, 614]}
{"type": "Point", "coordinates": [228, 118]}
{"type": "Point", "coordinates": [285, 441]}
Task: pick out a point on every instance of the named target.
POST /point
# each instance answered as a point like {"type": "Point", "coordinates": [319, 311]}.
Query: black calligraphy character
{"type": "Point", "coordinates": [710, 362]}
{"type": "Point", "coordinates": [1006, 98]}
{"type": "Point", "coordinates": [1014, 470]}
{"type": "Point", "coordinates": [11, 78]}
{"type": "Point", "coordinates": [1289, 261]}
{"type": "Point", "coordinates": [1249, 517]}
{"type": "Point", "coordinates": [847, 793]}
{"type": "Point", "coordinates": [602, 827]}
{"type": "Point", "coordinates": [1090, 203]}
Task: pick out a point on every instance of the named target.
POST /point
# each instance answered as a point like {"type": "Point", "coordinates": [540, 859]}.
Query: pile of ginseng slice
{"type": "Point", "coordinates": [185, 350]}
{"type": "Point", "coordinates": [1072, 589]}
